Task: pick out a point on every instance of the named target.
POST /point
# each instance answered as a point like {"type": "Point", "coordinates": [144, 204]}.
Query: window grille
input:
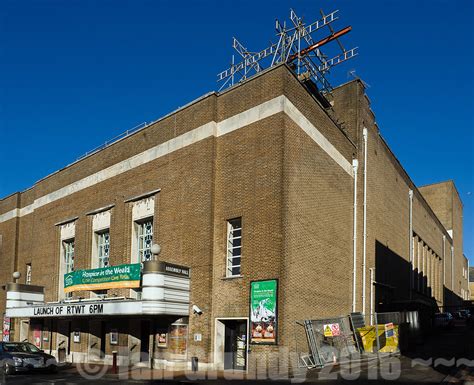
{"type": "Point", "coordinates": [28, 274]}
{"type": "Point", "coordinates": [69, 255]}
{"type": "Point", "coordinates": [103, 248]}
{"type": "Point", "coordinates": [234, 247]}
{"type": "Point", "coordinates": [145, 239]}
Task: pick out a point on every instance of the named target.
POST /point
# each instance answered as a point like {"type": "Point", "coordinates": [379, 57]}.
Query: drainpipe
{"type": "Point", "coordinates": [444, 260]}
{"type": "Point", "coordinates": [410, 239]}
{"type": "Point", "coordinates": [452, 269]}
{"type": "Point", "coordinates": [372, 281]}
{"type": "Point", "coordinates": [364, 238]}
{"type": "Point", "coordinates": [355, 166]}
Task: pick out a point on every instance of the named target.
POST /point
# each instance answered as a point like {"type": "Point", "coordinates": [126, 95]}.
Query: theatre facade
{"type": "Point", "coordinates": [256, 198]}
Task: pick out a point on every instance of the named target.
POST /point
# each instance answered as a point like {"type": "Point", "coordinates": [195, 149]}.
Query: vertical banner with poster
{"type": "Point", "coordinates": [6, 329]}
{"type": "Point", "coordinates": [263, 311]}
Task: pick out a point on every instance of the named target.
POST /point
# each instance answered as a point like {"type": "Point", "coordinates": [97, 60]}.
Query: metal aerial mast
{"type": "Point", "coordinates": [296, 47]}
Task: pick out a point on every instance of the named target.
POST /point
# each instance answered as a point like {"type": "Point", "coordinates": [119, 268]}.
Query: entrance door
{"type": "Point", "coordinates": [24, 329]}
{"type": "Point", "coordinates": [63, 340]}
{"type": "Point", "coordinates": [103, 339]}
{"type": "Point", "coordinates": [235, 344]}
{"type": "Point", "coordinates": [145, 341]}
{"type": "Point", "coordinates": [96, 340]}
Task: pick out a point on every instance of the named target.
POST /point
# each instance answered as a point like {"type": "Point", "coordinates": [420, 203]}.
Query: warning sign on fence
{"type": "Point", "coordinates": [327, 330]}
{"type": "Point", "coordinates": [332, 330]}
{"type": "Point", "coordinates": [336, 330]}
{"type": "Point", "coordinates": [375, 338]}
{"type": "Point", "coordinates": [389, 331]}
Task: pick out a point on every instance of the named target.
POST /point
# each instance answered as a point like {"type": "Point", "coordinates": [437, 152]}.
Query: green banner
{"type": "Point", "coordinates": [263, 312]}
{"type": "Point", "coordinates": [121, 276]}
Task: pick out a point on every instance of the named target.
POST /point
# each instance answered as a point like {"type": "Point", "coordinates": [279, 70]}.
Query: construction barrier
{"type": "Point", "coordinates": [328, 341]}
{"type": "Point", "coordinates": [332, 340]}
{"type": "Point", "coordinates": [380, 338]}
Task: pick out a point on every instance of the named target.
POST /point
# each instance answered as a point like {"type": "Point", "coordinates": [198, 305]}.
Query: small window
{"type": "Point", "coordinates": [144, 239]}
{"type": "Point", "coordinates": [103, 248]}
{"type": "Point", "coordinates": [28, 274]}
{"type": "Point", "coordinates": [68, 255]}
{"type": "Point", "coordinates": [234, 247]}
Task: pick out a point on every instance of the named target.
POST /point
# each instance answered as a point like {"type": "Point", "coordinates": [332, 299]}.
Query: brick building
{"type": "Point", "coordinates": [256, 183]}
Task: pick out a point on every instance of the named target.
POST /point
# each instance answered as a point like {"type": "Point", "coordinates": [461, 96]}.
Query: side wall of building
{"type": "Point", "coordinates": [446, 203]}
{"type": "Point", "coordinates": [388, 213]}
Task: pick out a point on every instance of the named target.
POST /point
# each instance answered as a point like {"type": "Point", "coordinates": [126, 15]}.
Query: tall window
{"type": "Point", "coordinates": [144, 239]}
{"type": "Point", "coordinates": [68, 255]}
{"type": "Point", "coordinates": [103, 248]}
{"type": "Point", "coordinates": [28, 274]}
{"type": "Point", "coordinates": [234, 247]}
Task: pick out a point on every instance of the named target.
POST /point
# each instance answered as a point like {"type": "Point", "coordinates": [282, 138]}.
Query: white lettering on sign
{"type": "Point", "coordinates": [68, 310]}
{"type": "Point", "coordinates": [105, 272]}
{"type": "Point", "coordinates": [176, 270]}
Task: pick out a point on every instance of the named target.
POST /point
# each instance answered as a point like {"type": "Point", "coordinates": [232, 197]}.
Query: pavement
{"type": "Point", "coordinates": [445, 357]}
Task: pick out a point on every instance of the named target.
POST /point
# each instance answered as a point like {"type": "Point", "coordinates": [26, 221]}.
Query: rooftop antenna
{"type": "Point", "coordinates": [297, 46]}
{"type": "Point", "coordinates": [352, 73]}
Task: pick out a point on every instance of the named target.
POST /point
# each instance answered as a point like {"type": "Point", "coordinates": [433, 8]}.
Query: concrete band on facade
{"type": "Point", "coordinates": [264, 151]}
{"type": "Point", "coordinates": [272, 107]}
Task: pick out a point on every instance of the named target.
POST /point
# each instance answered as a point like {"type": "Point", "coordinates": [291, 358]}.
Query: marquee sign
{"type": "Point", "coordinates": [121, 276]}
{"type": "Point", "coordinates": [100, 308]}
{"type": "Point", "coordinates": [78, 309]}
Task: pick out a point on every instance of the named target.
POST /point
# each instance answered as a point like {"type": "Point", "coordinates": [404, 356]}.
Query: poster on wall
{"type": "Point", "coordinates": [6, 329]}
{"type": "Point", "coordinates": [114, 337]}
{"type": "Point", "coordinates": [37, 336]}
{"type": "Point", "coordinates": [162, 340]}
{"type": "Point", "coordinates": [263, 312]}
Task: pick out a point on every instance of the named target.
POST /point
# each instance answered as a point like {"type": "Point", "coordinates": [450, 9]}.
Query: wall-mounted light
{"type": "Point", "coordinates": [155, 250]}
{"type": "Point", "coordinates": [16, 275]}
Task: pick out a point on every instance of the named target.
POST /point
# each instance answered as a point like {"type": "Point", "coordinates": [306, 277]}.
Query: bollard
{"type": "Point", "coordinates": [114, 362]}
{"type": "Point", "coordinates": [194, 364]}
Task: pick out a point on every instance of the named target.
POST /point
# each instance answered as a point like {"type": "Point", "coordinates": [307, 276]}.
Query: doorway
{"type": "Point", "coordinates": [145, 341]}
{"type": "Point", "coordinates": [24, 330]}
{"type": "Point", "coordinates": [231, 343]}
{"type": "Point", "coordinates": [97, 340]}
{"type": "Point", "coordinates": [63, 340]}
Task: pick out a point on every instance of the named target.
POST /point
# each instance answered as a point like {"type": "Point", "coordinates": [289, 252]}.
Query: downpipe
{"type": "Point", "coordinates": [444, 260]}
{"type": "Point", "coordinates": [372, 299]}
{"type": "Point", "coordinates": [364, 238]}
{"type": "Point", "coordinates": [355, 166]}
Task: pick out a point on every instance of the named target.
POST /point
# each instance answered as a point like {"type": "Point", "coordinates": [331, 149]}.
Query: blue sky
{"type": "Point", "coordinates": [74, 74]}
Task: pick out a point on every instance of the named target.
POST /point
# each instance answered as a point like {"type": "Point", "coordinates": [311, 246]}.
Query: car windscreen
{"type": "Point", "coordinates": [14, 347]}
{"type": "Point", "coordinates": [20, 347]}
{"type": "Point", "coordinates": [32, 348]}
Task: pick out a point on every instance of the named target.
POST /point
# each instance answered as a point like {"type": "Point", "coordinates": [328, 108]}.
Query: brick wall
{"type": "Point", "coordinates": [295, 201]}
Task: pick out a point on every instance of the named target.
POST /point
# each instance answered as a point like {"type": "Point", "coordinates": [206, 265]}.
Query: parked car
{"type": "Point", "coordinates": [443, 320]}
{"type": "Point", "coordinates": [23, 356]}
{"type": "Point", "coordinates": [457, 315]}
{"type": "Point", "coordinates": [465, 313]}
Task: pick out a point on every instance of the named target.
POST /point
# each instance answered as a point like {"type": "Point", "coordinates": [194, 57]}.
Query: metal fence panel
{"type": "Point", "coordinates": [330, 340]}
